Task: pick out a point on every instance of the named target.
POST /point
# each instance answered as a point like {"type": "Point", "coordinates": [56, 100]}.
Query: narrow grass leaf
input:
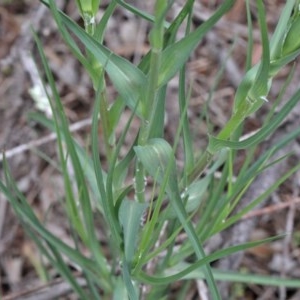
{"type": "Point", "coordinates": [275, 281]}
{"type": "Point", "coordinates": [58, 118]}
{"type": "Point", "coordinates": [256, 201]}
{"type": "Point", "coordinates": [158, 159]}
{"type": "Point", "coordinates": [130, 215]}
{"type": "Point", "coordinates": [131, 289]}
{"type": "Point", "coordinates": [66, 36]}
{"type": "Point", "coordinates": [215, 144]}
{"type": "Point", "coordinates": [83, 156]}
{"type": "Point", "coordinates": [136, 11]}
{"type": "Point", "coordinates": [120, 291]}
{"type": "Point", "coordinates": [23, 209]}
{"type": "Point", "coordinates": [127, 78]}
{"type": "Point", "coordinates": [82, 212]}
{"type": "Point", "coordinates": [175, 55]}
{"type": "Point", "coordinates": [194, 195]}
{"type": "Point", "coordinates": [55, 259]}
{"type": "Point", "coordinates": [121, 169]}
{"type": "Point", "coordinates": [261, 84]}
{"type": "Point", "coordinates": [111, 196]}
{"type": "Point", "coordinates": [102, 24]}
{"type": "Point", "coordinates": [280, 31]}
{"type": "Point", "coordinates": [250, 37]}
{"type": "Point", "coordinates": [105, 202]}
{"type": "Point", "coordinates": [179, 274]}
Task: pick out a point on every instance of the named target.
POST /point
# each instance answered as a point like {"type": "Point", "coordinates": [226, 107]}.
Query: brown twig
{"type": "Point", "coordinates": [36, 143]}
{"type": "Point", "coordinates": [52, 290]}
{"type": "Point", "coordinates": [272, 208]}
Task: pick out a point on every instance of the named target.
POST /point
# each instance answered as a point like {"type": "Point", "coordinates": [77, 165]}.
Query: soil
{"type": "Point", "coordinates": [27, 143]}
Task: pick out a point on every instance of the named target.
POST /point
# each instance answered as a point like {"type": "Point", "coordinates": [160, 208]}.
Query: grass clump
{"type": "Point", "coordinates": [145, 257]}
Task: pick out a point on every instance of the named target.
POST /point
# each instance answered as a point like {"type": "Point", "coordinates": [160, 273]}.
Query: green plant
{"type": "Point", "coordinates": [194, 207]}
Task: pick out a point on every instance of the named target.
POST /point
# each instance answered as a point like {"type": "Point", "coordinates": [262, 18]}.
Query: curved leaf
{"type": "Point", "coordinates": [130, 216]}
{"type": "Point", "coordinates": [215, 144]}
{"type": "Point", "coordinates": [158, 159]}
{"type": "Point", "coordinates": [174, 56]}
{"type": "Point", "coordinates": [126, 77]}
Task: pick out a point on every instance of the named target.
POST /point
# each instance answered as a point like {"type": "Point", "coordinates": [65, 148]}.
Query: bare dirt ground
{"type": "Point", "coordinates": [26, 142]}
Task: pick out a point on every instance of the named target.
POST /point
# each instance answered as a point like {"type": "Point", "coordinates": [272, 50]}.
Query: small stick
{"type": "Point", "coordinates": [272, 208]}
{"type": "Point", "coordinates": [36, 143]}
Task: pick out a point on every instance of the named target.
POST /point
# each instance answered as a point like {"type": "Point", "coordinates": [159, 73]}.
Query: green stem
{"type": "Point", "coordinates": [200, 165]}
{"type": "Point", "coordinates": [104, 114]}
